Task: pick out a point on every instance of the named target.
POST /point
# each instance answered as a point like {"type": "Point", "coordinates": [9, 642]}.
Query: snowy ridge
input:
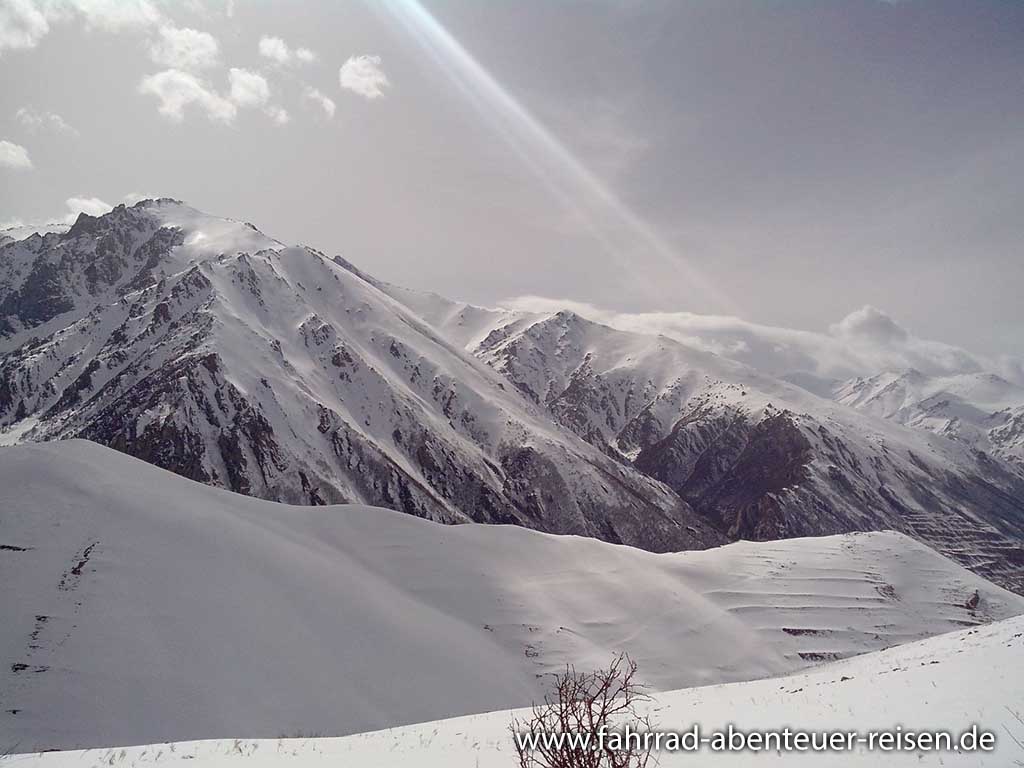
{"type": "Point", "coordinates": [22, 231]}
{"type": "Point", "coordinates": [140, 607]}
{"type": "Point", "coordinates": [944, 683]}
{"type": "Point", "coordinates": [982, 410]}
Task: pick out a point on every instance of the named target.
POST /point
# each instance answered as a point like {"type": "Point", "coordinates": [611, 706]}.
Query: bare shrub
{"type": "Point", "coordinates": [597, 703]}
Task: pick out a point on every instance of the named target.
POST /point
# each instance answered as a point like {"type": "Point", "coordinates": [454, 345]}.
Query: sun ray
{"type": "Point", "coordinates": [620, 231]}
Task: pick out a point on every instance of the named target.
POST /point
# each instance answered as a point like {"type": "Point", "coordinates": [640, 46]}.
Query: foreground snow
{"type": "Point", "coordinates": [944, 683]}
{"type": "Point", "coordinates": [139, 607]}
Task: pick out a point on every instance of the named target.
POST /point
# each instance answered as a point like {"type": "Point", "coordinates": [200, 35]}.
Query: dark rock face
{"type": "Point", "coordinates": [50, 275]}
{"type": "Point", "coordinates": [732, 469]}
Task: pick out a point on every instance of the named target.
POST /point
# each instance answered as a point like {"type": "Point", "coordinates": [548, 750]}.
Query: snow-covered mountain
{"type": "Point", "coordinates": [762, 458]}
{"type": "Point", "coordinates": [982, 410]}
{"type": "Point", "coordinates": [22, 231]}
{"type": "Point", "coordinates": [139, 606]}
{"type": "Point", "coordinates": [205, 347]}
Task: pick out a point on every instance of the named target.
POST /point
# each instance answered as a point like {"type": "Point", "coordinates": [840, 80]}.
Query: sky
{"type": "Point", "coordinates": [785, 163]}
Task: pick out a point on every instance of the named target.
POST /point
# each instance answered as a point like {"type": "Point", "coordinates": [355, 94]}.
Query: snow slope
{"type": "Point", "coordinates": [944, 683]}
{"type": "Point", "coordinates": [139, 607]}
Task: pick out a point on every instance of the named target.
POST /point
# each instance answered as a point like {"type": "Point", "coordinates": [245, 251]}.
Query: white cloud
{"type": "Point", "coordinates": [278, 114]}
{"type": "Point", "coordinates": [114, 15]}
{"type": "Point", "coordinates": [278, 51]}
{"type": "Point", "coordinates": [185, 49]}
{"type": "Point", "coordinates": [229, 8]}
{"type": "Point", "coordinates": [248, 89]}
{"type": "Point", "coordinates": [176, 90]}
{"type": "Point", "coordinates": [14, 155]}
{"type": "Point", "coordinates": [865, 342]}
{"type": "Point", "coordinates": [92, 206]}
{"type": "Point", "coordinates": [275, 49]}
{"type": "Point", "coordinates": [136, 197]}
{"type": "Point", "coordinates": [363, 75]}
{"type": "Point", "coordinates": [22, 25]}
{"type": "Point", "coordinates": [35, 120]}
{"type": "Point", "coordinates": [326, 102]}
{"type": "Point", "coordinates": [107, 15]}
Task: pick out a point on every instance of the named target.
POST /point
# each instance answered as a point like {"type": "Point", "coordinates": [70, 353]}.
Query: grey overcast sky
{"type": "Point", "coordinates": [785, 162]}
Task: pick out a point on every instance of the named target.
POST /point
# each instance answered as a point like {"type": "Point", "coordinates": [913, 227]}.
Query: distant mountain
{"type": "Point", "coordinates": [207, 348]}
{"type": "Point", "coordinates": [21, 231]}
{"type": "Point", "coordinates": [982, 410]}
{"type": "Point", "coordinates": [762, 458]}
{"type": "Point", "coordinates": [142, 607]}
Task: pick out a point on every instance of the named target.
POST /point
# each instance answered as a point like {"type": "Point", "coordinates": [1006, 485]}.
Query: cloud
{"type": "Point", "coordinates": [229, 8]}
{"type": "Point", "coordinates": [35, 121]}
{"type": "Point", "coordinates": [277, 50]}
{"type": "Point", "coordinates": [278, 114]}
{"type": "Point", "coordinates": [92, 206]}
{"type": "Point", "coordinates": [185, 49]}
{"type": "Point", "coordinates": [326, 102]}
{"type": "Point", "coordinates": [109, 15]}
{"type": "Point", "coordinates": [22, 25]}
{"type": "Point", "coordinates": [248, 88]}
{"type": "Point", "coordinates": [176, 90]}
{"type": "Point", "coordinates": [865, 342]}
{"type": "Point", "coordinates": [117, 15]}
{"type": "Point", "coordinates": [363, 75]}
{"type": "Point", "coordinates": [870, 324]}
{"type": "Point", "coordinates": [14, 156]}
{"type": "Point", "coordinates": [136, 197]}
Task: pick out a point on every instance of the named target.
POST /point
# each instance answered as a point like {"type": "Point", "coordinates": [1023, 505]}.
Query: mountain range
{"type": "Point", "coordinates": [207, 348]}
